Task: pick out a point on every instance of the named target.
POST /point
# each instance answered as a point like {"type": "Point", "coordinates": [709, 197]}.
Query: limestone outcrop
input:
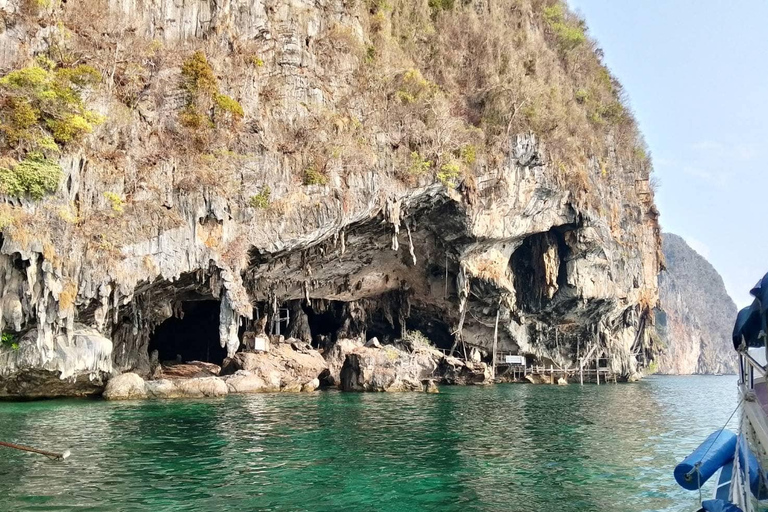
{"type": "Point", "coordinates": [73, 364]}
{"type": "Point", "coordinates": [323, 170]}
{"type": "Point", "coordinates": [288, 367]}
{"type": "Point", "coordinates": [387, 369]}
{"type": "Point", "coordinates": [696, 315]}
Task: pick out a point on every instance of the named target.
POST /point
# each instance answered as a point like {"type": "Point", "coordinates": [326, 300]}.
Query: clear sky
{"type": "Point", "coordinates": [696, 73]}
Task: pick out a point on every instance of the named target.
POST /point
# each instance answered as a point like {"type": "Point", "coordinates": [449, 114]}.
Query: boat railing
{"type": "Point", "coordinates": [750, 369]}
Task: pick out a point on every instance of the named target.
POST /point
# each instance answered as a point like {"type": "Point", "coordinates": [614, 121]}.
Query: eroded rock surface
{"type": "Point", "coordinates": [696, 314]}
{"type": "Point", "coordinates": [362, 191]}
{"type": "Point", "coordinates": [386, 369]}
{"type": "Point", "coordinates": [73, 364]}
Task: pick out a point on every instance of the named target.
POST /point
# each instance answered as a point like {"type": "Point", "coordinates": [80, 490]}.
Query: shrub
{"type": "Point", "coordinates": [613, 112]}
{"type": "Point", "coordinates": [35, 176]}
{"type": "Point", "coordinates": [440, 5]}
{"type": "Point", "coordinates": [414, 87]}
{"type": "Point", "coordinates": [197, 76]}
{"type": "Point", "coordinates": [469, 154]}
{"type": "Point", "coordinates": [261, 200]}
{"type": "Point", "coordinates": [314, 177]}
{"type": "Point", "coordinates": [229, 106]}
{"type": "Point", "coordinates": [417, 338]}
{"type": "Point", "coordinates": [9, 340]}
{"type": "Point", "coordinates": [41, 106]}
{"type": "Point", "coordinates": [202, 94]}
{"type": "Point", "coordinates": [115, 201]}
{"type": "Point", "coordinates": [449, 173]}
{"type": "Point", "coordinates": [418, 165]}
{"type": "Point", "coordinates": [569, 36]}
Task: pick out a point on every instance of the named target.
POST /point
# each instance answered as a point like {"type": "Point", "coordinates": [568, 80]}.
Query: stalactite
{"type": "Point", "coordinates": [410, 244]}
{"type": "Point", "coordinates": [392, 211]}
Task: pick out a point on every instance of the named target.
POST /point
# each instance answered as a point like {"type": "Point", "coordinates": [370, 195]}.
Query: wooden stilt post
{"type": "Point", "coordinates": [597, 368]}
{"type": "Point", "coordinates": [496, 339]}
{"type": "Point", "coordinates": [581, 371]}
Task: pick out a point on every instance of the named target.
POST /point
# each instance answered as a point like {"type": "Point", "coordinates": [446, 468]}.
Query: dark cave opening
{"type": "Point", "coordinates": [384, 329]}
{"type": "Point", "coordinates": [534, 289]}
{"type": "Point", "coordinates": [324, 323]}
{"type": "Point", "coordinates": [195, 337]}
{"type": "Point", "coordinates": [439, 333]}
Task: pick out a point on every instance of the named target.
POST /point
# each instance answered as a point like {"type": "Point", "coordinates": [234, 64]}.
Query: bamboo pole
{"type": "Point", "coordinates": [52, 455]}
{"type": "Point", "coordinates": [495, 340]}
{"type": "Point", "coordinates": [597, 368]}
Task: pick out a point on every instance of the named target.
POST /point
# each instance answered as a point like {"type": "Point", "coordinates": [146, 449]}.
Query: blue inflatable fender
{"type": "Point", "coordinates": [748, 461]}
{"type": "Point", "coordinates": [715, 452]}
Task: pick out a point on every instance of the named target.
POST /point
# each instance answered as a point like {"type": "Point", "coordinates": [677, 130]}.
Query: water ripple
{"type": "Point", "coordinates": [507, 447]}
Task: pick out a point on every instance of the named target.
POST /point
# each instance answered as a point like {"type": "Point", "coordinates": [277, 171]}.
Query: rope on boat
{"type": "Point", "coordinates": [698, 464]}
{"type": "Point", "coordinates": [50, 455]}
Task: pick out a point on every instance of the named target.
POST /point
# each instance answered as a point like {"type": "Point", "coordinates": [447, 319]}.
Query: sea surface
{"type": "Point", "coordinates": [510, 447]}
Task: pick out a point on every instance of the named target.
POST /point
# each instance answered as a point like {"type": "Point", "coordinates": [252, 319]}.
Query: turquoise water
{"type": "Point", "coordinates": [506, 447]}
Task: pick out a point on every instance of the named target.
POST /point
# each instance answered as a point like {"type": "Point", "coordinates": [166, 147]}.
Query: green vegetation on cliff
{"type": "Point", "coordinates": [42, 111]}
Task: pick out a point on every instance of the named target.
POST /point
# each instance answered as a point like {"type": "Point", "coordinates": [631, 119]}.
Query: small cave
{"type": "Point", "coordinates": [194, 337]}
{"type": "Point", "coordinates": [325, 322]}
{"type": "Point", "coordinates": [383, 327]}
{"type": "Point", "coordinates": [438, 332]}
{"type": "Point", "coordinates": [539, 269]}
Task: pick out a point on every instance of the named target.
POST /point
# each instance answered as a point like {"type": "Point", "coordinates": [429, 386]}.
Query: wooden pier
{"type": "Point", "coordinates": [506, 365]}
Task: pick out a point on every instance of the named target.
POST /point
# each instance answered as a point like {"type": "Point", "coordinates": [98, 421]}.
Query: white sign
{"type": "Point", "coordinates": [514, 359]}
{"type": "Point", "coordinates": [260, 343]}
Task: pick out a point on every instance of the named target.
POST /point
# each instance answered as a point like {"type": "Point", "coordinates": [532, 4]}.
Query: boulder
{"type": "Point", "coordinates": [202, 387]}
{"type": "Point", "coordinates": [311, 385]}
{"type": "Point", "coordinates": [455, 371]}
{"type": "Point", "coordinates": [286, 367]}
{"type": "Point", "coordinates": [162, 388]}
{"type": "Point", "coordinates": [246, 382]}
{"type": "Point", "coordinates": [386, 369]}
{"type": "Point", "coordinates": [128, 386]}
{"type": "Point", "coordinates": [191, 369]}
{"type": "Point", "coordinates": [334, 356]}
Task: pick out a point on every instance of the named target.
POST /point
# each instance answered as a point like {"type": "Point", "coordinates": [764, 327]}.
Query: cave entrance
{"type": "Point", "coordinates": [194, 337]}
{"type": "Point", "coordinates": [539, 269]}
{"type": "Point", "coordinates": [324, 322]}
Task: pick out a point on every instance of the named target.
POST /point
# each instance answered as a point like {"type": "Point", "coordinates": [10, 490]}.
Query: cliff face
{"type": "Point", "coordinates": [368, 167]}
{"type": "Point", "coordinates": [696, 315]}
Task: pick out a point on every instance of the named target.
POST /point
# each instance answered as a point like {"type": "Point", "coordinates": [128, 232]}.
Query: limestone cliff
{"type": "Point", "coordinates": [696, 316]}
{"type": "Point", "coordinates": [365, 168]}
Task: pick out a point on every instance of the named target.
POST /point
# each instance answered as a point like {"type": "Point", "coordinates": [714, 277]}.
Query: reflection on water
{"type": "Point", "coordinates": [507, 447]}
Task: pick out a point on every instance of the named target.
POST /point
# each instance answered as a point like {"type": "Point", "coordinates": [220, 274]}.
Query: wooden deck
{"type": "Point", "coordinates": [600, 372]}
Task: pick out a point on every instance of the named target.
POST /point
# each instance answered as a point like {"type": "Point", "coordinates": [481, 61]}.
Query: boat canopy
{"type": "Point", "coordinates": [749, 321]}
